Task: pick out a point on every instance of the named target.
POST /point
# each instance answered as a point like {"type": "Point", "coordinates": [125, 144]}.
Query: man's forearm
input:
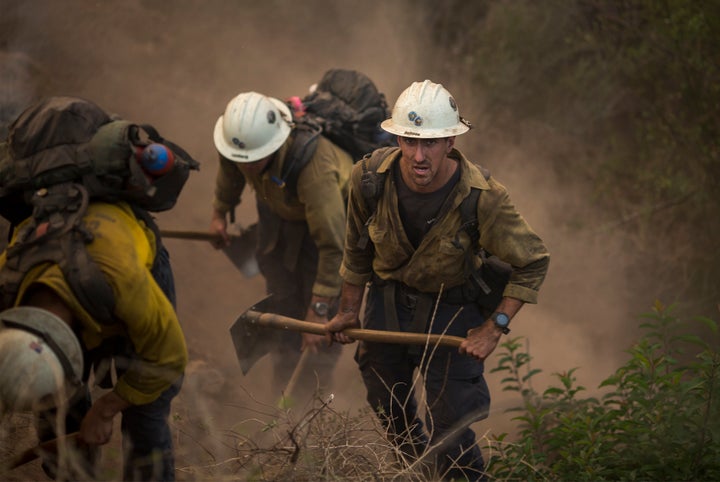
{"type": "Point", "coordinates": [351, 298]}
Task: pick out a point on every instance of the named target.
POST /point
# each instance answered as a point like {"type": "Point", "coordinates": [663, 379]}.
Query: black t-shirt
{"type": "Point", "coordinates": [419, 210]}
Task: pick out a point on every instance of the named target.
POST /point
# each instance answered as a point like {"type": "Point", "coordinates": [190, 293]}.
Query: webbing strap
{"type": "Point", "coordinates": [391, 319]}
{"type": "Point", "coordinates": [301, 151]}
{"type": "Point", "coordinates": [468, 216]}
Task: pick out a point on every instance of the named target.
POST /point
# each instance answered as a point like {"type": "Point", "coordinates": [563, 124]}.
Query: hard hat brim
{"type": "Point", "coordinates": [389, 126]}
{"type": "Point", "coordinates": [235, 154]}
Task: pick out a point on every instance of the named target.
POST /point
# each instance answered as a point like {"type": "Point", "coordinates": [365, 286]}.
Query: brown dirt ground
{"type": "Point", "coordinates": [175, 65]}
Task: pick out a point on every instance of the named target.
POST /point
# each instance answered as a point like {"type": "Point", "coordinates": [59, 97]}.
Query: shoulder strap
{"type": "Point", "coordinates": [468, 216]}
{"type": "Point", "coordinates": [468, 212]}
{"type": "Point", "coordinates": [301, 151]}
{"type": "Point", "coordinates": [56, 234]}
{"type": "Point", "coordinates": [161, 269]}
{"type": "Point", "coordinates": [372, 184]}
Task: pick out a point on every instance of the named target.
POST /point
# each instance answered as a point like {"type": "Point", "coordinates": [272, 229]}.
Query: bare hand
{"type": "Point", "coordinates": [218, 225]}
{"type": "Point", "coordinates": [312, 342]}
{"type": "Point", "coordinates": [348, 315]}
{"type": "Point", "coordinates": [96, 427]}
{"type": "Point", "coordinates": [481, 341]}
{"type": "Point", "coordinates": [340, 322]}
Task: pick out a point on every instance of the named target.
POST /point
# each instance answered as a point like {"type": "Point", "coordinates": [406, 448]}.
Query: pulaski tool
{"type": "Point", "coordinates": [241, 250]}
{"type": "Point", "coordinates": [33, 453]}
{"type": "Point", "coordinates": [254, 334]}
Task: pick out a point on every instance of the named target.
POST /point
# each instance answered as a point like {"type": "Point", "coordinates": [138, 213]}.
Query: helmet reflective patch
{"type": "Point", "coordinates": [238, 142]}
{"type": "Point", "coordinates": [36, 346]}
{"type": "Point", "coordinates": [414, 118]}
{"type": "Point", "coordinates": [271, 117]}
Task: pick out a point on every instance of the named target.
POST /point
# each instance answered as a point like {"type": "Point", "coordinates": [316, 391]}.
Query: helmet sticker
{"type": "Point", "coordinates": [36, 346]}
{"type": "Point", "coordinates": [271, 117]}
{"type": "Point", "coordinates": [414, 118]}
{"type": "Point", "coordinates": [453, 105]}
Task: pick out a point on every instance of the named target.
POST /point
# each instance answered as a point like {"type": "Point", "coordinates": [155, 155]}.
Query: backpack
{"type": "Point", "coordinates": [484, 285]}
{"type": "Point", "coordinates": [67, 139]}
{"type": "Point", "coordinates": [345, 107]}
{"type": "Point", "coordinates": [61, 154]}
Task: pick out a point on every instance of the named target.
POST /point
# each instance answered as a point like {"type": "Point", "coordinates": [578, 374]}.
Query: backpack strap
{"type": "Point", "coordinates": [56, 234]}
{"type": "Point", "coordinates": [161, 269]}
{"type": "Point", "coordinates": [468, 218]}
{"type": "Point", "coordinates": [301, 150]}
{"type": "Point", "coordinates": [469, 224]}
{"type": "Point", "coordinates": [484, 285]}
{"type": "Point", "coordinates": [372, 184]}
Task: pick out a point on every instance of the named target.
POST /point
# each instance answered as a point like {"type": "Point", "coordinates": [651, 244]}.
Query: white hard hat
{"type": "Point", "coordinates": [41, 361]}
{"type": "Point", "coordinates": [425, 110]}
{"type": "Point", "coordinates": [253, 127]}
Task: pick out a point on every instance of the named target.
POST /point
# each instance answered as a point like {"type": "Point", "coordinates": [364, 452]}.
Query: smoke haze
{"type": "Point", "coordinates": [176, 64]}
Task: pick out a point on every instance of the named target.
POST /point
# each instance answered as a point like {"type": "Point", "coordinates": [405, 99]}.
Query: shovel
{"type": "Point", "coordinates": [241, 250]}
{"type": "Point", "coordinates": [253, 334]}
{"type": "Point", "coordinates": [33, 453]}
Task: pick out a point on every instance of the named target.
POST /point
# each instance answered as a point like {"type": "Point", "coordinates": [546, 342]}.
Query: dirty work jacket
{"type": "Point", "coordinates": [437, 262]}
{"type": "Point", "coordinates": [124, 249]}
{"type": "Point", "coordinates": [322, 189]}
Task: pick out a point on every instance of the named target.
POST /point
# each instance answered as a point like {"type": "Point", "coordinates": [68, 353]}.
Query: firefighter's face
{"type": "Point", "coordinates": [255, 168]}
{"type": "Point", "coordinates": [424, 163]}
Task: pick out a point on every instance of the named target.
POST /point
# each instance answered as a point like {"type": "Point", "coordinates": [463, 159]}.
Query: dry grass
{"type": "Point", "coordinates": [316, 443]}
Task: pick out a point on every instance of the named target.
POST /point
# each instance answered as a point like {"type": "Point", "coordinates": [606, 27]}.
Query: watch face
{"type": "Point", "coordinates": [502, 320]}
{"type": "Point", "coordinates": [320, 308]}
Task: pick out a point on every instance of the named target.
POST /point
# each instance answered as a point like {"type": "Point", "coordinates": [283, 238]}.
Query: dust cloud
{"type": "Point", "coordinates": [176, 64]}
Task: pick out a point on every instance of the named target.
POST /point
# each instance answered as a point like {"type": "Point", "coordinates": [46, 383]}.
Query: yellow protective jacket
{"type": "Point", "coordinates": [124, 249]}
{"type": "Point", "coordinates": [438, 262]}
{"type": "Point", "coordinates": [322, 190]}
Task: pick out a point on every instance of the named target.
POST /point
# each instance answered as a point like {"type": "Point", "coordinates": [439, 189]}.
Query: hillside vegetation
{"type": "Point", "coordinates": [633, 87]}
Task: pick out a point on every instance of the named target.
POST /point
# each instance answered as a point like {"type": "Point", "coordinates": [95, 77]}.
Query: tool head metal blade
{"type": "Point", "coordinates": [251, 340]}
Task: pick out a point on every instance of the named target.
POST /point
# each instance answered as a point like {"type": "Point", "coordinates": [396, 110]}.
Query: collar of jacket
{"type": "Point", "coordinates": [470, 171]}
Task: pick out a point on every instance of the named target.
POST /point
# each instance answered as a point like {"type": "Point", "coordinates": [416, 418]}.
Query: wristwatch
{"type": "Point", "coordinates": [320, 308]}
{"type": "Point", "coordinates": [502, 321]}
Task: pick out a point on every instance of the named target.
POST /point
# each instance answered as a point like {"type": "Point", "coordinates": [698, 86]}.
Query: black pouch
{"type": "Point", "coordinates": [488, 283]}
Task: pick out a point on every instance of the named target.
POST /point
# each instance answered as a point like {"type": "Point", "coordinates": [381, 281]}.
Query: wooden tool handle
{"type": "Point", "coordinates": [379, 336]}
{"type": "Point", "coordinates": [33, 453]}
{"type": "Point", "coordinates": [197, 235]}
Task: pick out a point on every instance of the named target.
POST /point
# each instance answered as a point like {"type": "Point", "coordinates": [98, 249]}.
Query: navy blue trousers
{"type": "Point", "coordinates": [456, 392]}
{"type": "Point", "coordinates": [290, 268]}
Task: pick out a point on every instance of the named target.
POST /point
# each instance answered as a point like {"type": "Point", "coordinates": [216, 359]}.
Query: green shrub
{"type": "Point", "coordinates": [659, 418]}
